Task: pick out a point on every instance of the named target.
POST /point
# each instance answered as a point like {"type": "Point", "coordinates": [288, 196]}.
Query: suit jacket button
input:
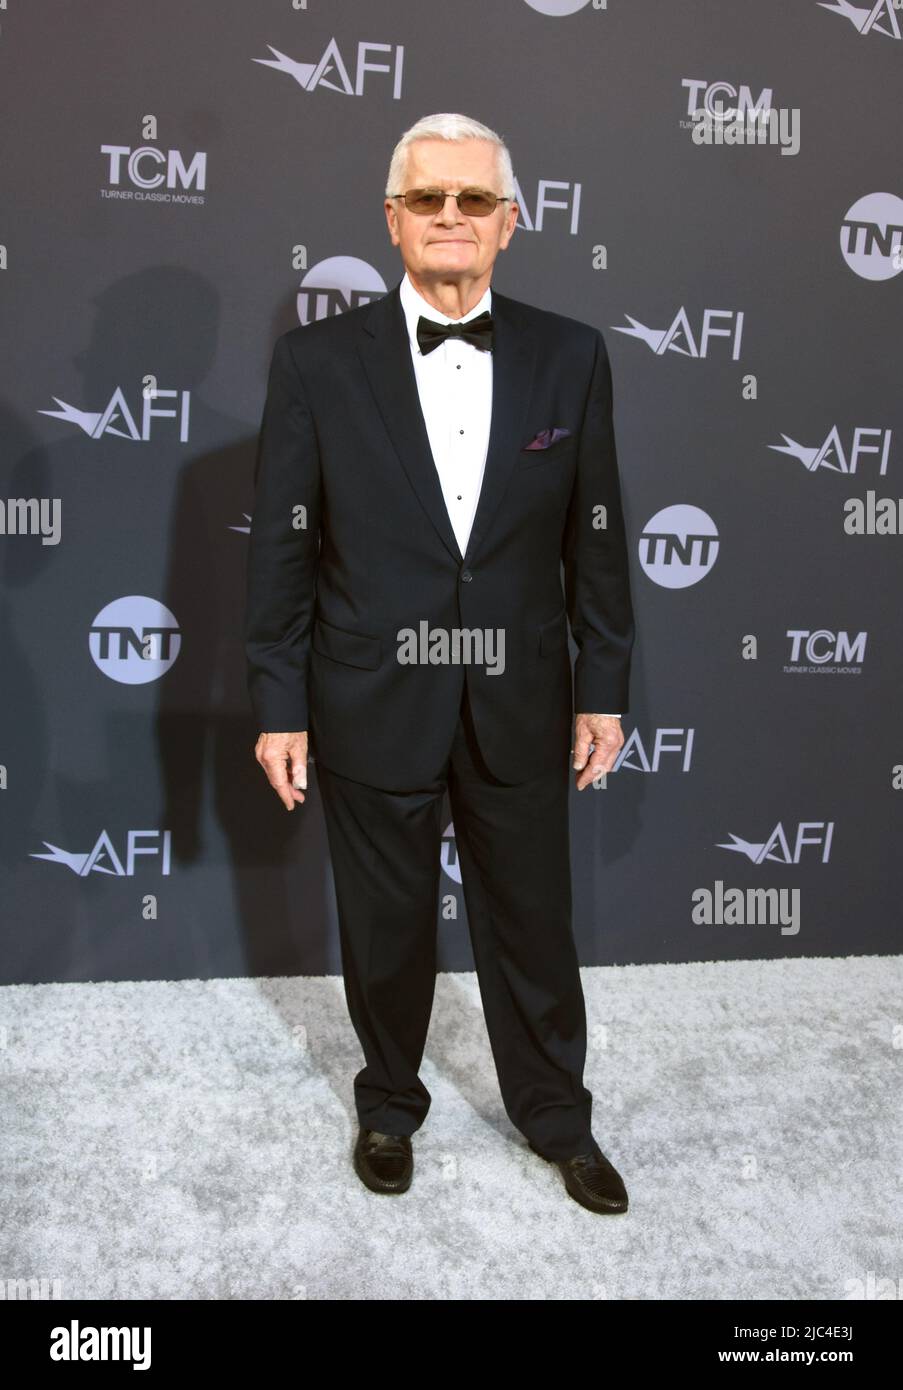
{"type": "Point", "coordinates": [466, 576]}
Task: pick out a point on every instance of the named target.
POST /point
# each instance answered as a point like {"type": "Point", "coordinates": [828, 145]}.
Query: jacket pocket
{"type": "Point", "coordinates": [554, 453]}
{"type": "Point", "coordinates": [352, 648]}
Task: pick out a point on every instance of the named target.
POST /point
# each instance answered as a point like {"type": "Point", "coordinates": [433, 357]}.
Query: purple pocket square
{"type": "Point", "coordinates": [547, 437]}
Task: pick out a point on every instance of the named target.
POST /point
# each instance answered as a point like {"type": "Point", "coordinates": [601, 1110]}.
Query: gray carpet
{"type": "Point", "coordinates": [192, 1140]}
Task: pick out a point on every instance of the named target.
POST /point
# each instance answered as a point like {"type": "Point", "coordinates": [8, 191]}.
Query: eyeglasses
{"type": "Point", "coordinates": [473, 202]}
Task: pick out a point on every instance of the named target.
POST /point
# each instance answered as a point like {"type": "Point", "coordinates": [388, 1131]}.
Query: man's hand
{"type": "Point", "coordinates": [283, 758]}
{"type": "Point", "coordinates": [603, 731]}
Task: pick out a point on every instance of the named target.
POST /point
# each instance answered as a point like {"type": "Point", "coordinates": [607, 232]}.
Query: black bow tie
{"type": "Point", "coordinates": [477, 331]}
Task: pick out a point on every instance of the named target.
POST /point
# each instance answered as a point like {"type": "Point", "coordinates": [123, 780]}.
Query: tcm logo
{"type": "Point", "coordinates": [867, 444]}
{"type": "Point", "coordinates": [449, 853]}
{"type": "Point", "coordinates": [866, 19]}
{"type": "Point", "coordinates": [812, 836]}
{"type": "Point", "coordinates": [826, 651]}
{"type": "Point", "coordinates": [675, 744]}
{"type": "Point", "coordinates": [679, 336]}
{"type": "Point", "coordinates": [332, 65]}
{"type": "Point", "coordinates": [134, 640]}
{"type": "Point", "coordinates": [103, 859]}
{"type": "Point", "coordinates": [871, 236]}
{"type": "Point", "coordinates": [149, 168]}
{"type": "Point", "coordinates": [116, 413]}
{"type": "Point", "coordinates": [679, 546]}
{"type": "Point", "coordinates": [708, 98]}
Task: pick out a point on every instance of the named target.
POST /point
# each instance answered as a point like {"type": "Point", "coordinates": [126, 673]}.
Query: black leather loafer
{"type": "Point", "coordinates": [592, 1181]}
{"type": "Point", "coordinates": [384, 1162]}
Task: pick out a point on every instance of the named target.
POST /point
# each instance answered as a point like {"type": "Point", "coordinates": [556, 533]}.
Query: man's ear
{"type": "Point", "coordinates": [510, 233]}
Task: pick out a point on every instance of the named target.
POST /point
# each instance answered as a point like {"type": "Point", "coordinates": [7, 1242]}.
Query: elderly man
{"type": "Point", "coordinates": [426, 463]}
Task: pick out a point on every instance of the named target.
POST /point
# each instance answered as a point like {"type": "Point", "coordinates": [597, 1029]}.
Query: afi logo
{"type": "Point", "coordinates": [449, 853]}
{"type": "Point", "coordinates": [831, 453]}
{"type": "Point", "coordinates": [823, 646]}
{"type": "Point", "coordinates": [148, 167]}
{"type": "Point", "coordinates": [679, 546]}
{"type": "Point", "coordinates": [679, 337]}
{"type": "Point", "coordinates": [96, 423]}
{"type": "Point", "coordinates": [569, 201]}
{"type": "Point", "coordinates": [879, 17]}
{"type": "Point", "coordinates": [634, 756]}
{"type": "Point", "coordinates": [103, 859]}
{"type": "Point", "coordinates": [332, 65]}
{"type": "Point", "coordinates": [134, 640]}
{"type": "Point", "coordinates": [778, 849]}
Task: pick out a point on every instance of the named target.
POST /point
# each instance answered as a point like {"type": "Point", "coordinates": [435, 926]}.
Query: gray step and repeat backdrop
{"type": "Point", "coordinates": [715, 184]}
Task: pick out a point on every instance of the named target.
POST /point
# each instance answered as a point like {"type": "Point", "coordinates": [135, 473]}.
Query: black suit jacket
{"type": "Point", "coordinates": [343, 436]}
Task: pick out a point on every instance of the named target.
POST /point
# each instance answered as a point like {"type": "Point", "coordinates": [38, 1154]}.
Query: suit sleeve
{"type": "Point", "coordinates": [283, 553]}
{"type": "Point", "coordinates": [597, 583]}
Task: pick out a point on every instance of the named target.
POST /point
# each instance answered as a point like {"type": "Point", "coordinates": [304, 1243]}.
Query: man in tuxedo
{"type": "Point", "coordinates": [426, 464]}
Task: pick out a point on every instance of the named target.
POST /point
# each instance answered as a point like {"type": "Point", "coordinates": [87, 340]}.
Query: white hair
{"type": "Point", "coordinates": [448, 125]}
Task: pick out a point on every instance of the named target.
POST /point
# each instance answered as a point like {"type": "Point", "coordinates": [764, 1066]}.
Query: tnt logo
{"type": "Point", "coordinates": [679, 546]}
{"type": "Point", "coordinates": [335, 285]}
{"type": "Point", "coordinates": [134, 640]}
{"type": "Point", "coordinates": [871, 236]}
{"type": "Point", "coordinates": [556, 9]}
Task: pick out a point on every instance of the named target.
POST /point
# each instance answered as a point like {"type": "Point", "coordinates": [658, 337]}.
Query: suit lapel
{"type": "Point", "coordinates": [386, 356]}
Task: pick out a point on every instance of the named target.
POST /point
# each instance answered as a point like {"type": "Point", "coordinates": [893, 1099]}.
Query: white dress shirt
{"type": "Point", "coordinates": [454, 382]}
{"type": "Point", "coordinates": [455, 386]}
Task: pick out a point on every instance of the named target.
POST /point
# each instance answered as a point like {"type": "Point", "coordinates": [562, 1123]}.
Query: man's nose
{"type": "Point", "coordinates": [450, 213]}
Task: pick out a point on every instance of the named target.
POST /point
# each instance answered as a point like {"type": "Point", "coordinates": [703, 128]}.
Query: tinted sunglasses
{"type": "Point", "coordinates": [473, 202]}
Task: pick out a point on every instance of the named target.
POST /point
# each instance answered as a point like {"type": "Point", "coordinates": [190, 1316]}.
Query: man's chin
{"type": "Point", "coordinates": [444, 261]}
{"type": "Point", "coordinates": [455, 250]}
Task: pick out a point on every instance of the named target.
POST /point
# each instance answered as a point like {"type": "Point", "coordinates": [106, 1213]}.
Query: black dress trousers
{"type": "Point", "coordinates": [514, 853]}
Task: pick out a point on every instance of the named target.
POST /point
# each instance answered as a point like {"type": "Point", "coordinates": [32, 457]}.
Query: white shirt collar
{"type": "Point", "coordinates": [414, 304]}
